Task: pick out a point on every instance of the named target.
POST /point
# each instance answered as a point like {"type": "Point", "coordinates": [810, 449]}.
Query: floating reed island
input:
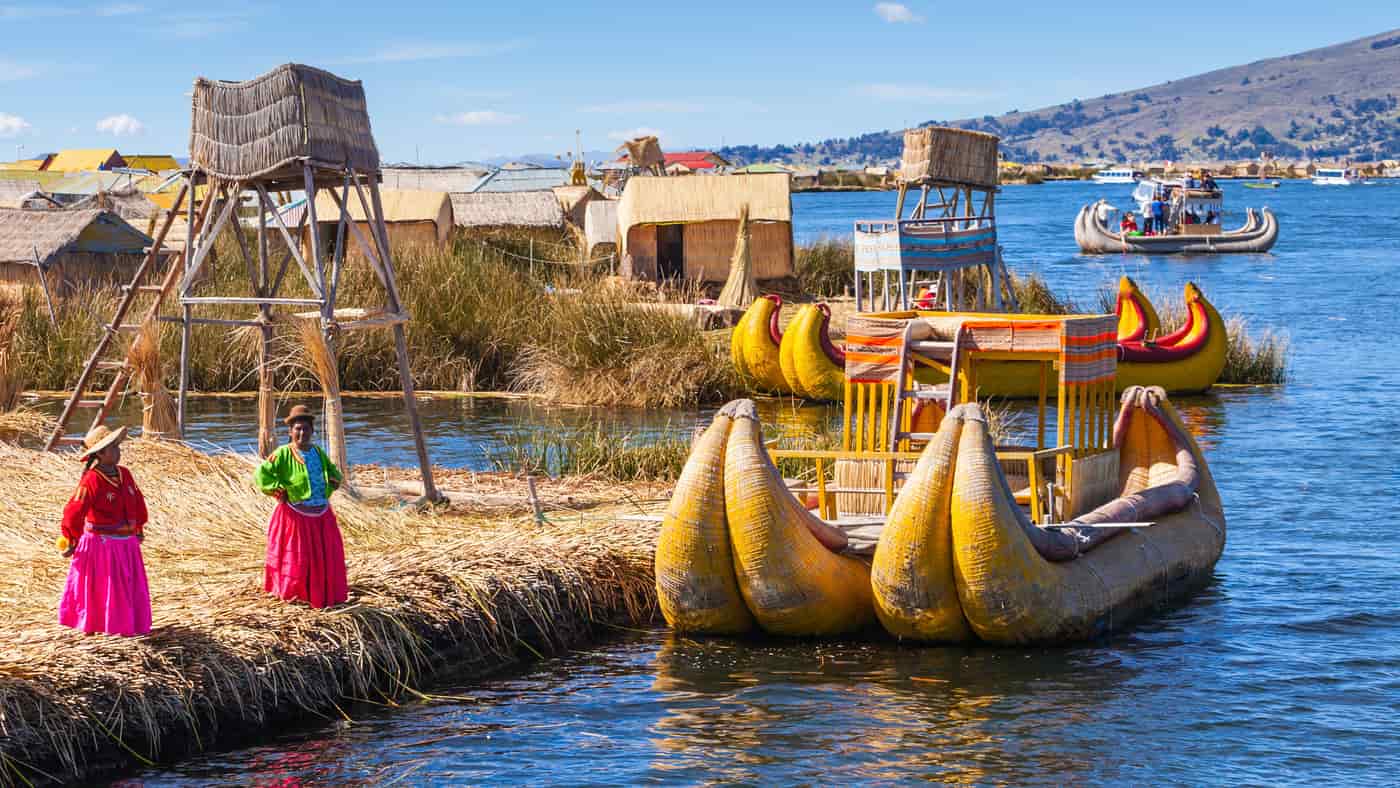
{"type": "Point", "coordinates": [461, 590]}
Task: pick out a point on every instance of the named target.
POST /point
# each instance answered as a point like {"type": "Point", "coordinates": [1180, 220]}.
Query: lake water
{"type": "Point", "coordinates": [1286, 670]}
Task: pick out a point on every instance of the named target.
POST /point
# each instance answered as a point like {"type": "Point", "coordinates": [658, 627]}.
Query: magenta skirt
{"type": "Point", "coordinates": [305, 558]}
{"type": "Point", "coordinates": [106, 589]}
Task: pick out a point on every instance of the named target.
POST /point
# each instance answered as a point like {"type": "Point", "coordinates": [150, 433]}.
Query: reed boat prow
{"type": "Point", "coordinates": [755, 345]}
{"type": "Point", "coordinates": [1020, 583]}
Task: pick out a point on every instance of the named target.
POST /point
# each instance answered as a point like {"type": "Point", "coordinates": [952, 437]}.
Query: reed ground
{"type": "Point", "coordinates": [471, 588]}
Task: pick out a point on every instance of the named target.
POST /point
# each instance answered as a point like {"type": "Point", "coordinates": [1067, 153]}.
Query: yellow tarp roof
{"type": "Point", "coordinates": [29, 165]}
{"type": "Point", "coordinates": [156, 163]}
{"type": "Point", "coordinates": [81, 159]}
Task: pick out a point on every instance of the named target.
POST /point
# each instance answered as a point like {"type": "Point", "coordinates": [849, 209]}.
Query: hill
{"type": "Point", "coordinates": [1337, 102]}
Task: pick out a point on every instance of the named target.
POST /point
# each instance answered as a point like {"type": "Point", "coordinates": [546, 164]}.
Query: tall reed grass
{"type": "Point", "coordinates": [825, 268]}
{"type": "Point", "coordinates": [595, 451]}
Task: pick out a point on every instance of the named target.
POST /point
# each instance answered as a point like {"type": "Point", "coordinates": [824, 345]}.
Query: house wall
{"type": "Point", "coordinates": [401, 235]}
{"type": "Point", "coordinates": [75, 271]}
{"type": "Point", "coordinates": [709, 246]}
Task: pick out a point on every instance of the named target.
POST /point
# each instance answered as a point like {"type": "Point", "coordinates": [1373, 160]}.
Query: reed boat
{"type": "Point", "coordinates": [1189, 359]}
{"type": "Point", "coordinates": [812, 365]}
{"type": "Point", "coordinates": [1257, 234]}
{"type": "Point", "coordinates": [973, 542]}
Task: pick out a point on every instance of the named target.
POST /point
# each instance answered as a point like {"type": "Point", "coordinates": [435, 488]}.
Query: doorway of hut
{"type": "Point", "coordinates": [670, 251]}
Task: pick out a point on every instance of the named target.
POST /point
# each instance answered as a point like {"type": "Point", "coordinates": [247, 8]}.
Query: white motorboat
{"type": "Point", "coordinates": [1335, 176]}
{"type": "Point", "coordinates": [1118, 175]}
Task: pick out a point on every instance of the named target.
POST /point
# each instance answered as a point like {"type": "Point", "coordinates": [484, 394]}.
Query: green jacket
{"type": "Point", "coordinates": [283, 470]}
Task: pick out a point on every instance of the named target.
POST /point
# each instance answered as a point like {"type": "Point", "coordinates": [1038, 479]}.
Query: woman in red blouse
{"type": "Point", "coordinates": [102, 531]}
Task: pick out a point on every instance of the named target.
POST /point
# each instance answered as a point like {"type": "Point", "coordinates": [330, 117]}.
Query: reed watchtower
{"type": "Point", "coordinates": [293, 129]}
{"type": "Point", "coordinates": [948, 242]}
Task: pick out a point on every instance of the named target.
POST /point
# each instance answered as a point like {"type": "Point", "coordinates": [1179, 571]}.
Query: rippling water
{"type": "Point", "coordinates": [1285, 670]}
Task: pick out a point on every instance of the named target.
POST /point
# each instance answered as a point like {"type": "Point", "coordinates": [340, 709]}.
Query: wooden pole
{"type": "Point", "coordinates": [430, 491]}
{"type": "Point", "coordinates": [333, 413]}
{"type": "Point", "coordinates": [267, 406]}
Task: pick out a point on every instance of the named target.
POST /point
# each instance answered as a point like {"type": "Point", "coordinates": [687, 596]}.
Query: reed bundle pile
{"type": "Point", "coordinates": [740, 289]}
{"type": "Point", "coordinates": [320, 360]}
{"type": "Point", "coordinates": [11, 370]}
{"type": "Point", "coordinates": [224, 657]}
{"type": "Point", "coordinates": [158, 414]}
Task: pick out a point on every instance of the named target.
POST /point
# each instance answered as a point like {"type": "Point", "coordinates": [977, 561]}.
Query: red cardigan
{"type": "Point", "coordinates": [103, 502]}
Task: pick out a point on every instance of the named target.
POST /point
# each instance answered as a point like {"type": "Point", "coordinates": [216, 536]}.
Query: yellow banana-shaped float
{"type": "Point", "coordinates": [1137, 319]}
{"type": "Point", "coordinates": [695, 580]}
{"type": "Point", "coordinates": [1186, 360]}
{"type": "Point", "coordinates": [813, 366]}
{"type": "Point", "coordinates": [1011, 592]}
{"type": "Point", "coordinates": [754, 345]}
{"type": "Point", "coordinates": [790, 578]}
{"type": "Point", "coordinates": [912, 572]}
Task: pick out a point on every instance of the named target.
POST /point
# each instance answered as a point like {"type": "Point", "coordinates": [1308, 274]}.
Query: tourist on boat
{"type": "Point", "coordinates": [1212, 217]}
{"type": "Point", "coordinates": [1156, 222]}
{"type": "Point", "coordinates": [103, 527]}
{"type": "Point", "coordinates": [305, 554]}
{"type": "Point", "coordinates": [1128, 224]}
{"type": "Point", "coordinates": [1208, 182]}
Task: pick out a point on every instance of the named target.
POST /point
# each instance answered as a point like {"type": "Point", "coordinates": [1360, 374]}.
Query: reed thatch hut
{"type": "Point", "coordinates": [411, 218]}
{"type": "Point", "coordinates": [534, 215]}
{"type": "Point", "coordinates": [685, 228]}
{"type": "Point", "coordinates": [74, 248]}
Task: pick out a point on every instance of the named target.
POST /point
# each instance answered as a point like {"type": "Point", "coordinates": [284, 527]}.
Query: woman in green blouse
{"type": "Point", "coordinates": [305, 554]}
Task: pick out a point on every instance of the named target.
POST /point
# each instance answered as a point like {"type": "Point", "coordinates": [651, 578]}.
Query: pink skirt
{"type": "Point", "coordinates": [305, 558]}
{"type": "Point", "coordinates": [106, 589]}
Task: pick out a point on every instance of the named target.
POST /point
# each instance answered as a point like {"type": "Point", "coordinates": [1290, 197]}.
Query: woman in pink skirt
{"type": "Point", "coordinates": [305, 555]}
{"type": "Point", "coordinates": [103, 526]}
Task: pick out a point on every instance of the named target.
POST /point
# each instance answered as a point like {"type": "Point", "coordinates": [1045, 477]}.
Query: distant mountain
{"type": "Point", "coordinates": [1338, 102]}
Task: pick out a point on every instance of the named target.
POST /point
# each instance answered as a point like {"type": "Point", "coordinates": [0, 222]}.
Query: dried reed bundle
{"type": "Point", "coordinates": [11, 370]}
{"type": "Point", "coordinates": [158, 414]}
{"type": "Point", "coordinates": [740, 288]}
{"type": "Point", "coordinates": [427, 591]}
{"type": "Point", "coordinates": [320, 359]}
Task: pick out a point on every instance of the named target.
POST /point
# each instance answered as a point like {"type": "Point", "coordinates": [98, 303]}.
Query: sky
{"type": "Point", "coordinates": [462, 81]}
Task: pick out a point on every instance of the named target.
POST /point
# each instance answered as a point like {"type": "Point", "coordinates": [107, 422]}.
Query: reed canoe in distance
{"type": "Point", "coordinates": [1258, 234]}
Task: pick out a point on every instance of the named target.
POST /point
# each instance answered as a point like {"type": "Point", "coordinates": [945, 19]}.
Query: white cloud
{"type": "Point", "coordinates": [897, 13]}
{"type": "Point", "coordinates": [640, 131]}
{"type": "Point", "coordinates": [890, 91]}
{"type": "Point", "coordinates": [120, 9]}
{"type": "Point", "coordinates": [480, 117]}
{"type": "Point", "coordinates": [12, 125]}
{"type": "Point", "coordinates": [120, 125]}
{"type": "Point", "coordinates": [623, 107]}
{"type": "Point", "coordinates": [13, 72]}
{"type": "Point", "coordinates": [403, 53]}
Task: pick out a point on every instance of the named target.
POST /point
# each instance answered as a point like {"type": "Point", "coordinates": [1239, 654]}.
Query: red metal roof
{"type": "Point", "coordinates": [693, 160]}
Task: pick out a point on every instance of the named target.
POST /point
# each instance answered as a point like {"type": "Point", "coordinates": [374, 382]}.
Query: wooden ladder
{"type": "Point", "coordinates": [907, 389]}
{"type": "Point", "coordinates": [101, 358]}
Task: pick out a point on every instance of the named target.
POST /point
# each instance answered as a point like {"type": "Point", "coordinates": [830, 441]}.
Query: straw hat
{"type": "Point", "coordinates": [299, 412]}
{"type": "Point", "coordinates": [99, 438]}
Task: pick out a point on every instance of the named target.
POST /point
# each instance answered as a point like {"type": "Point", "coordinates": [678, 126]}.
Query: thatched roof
{"type": "Point", "coordinates": [127, 203]}
{"type": "Point", "coordinates": [25, 235]}
{"type": "Point", "coordinates": [264, 127]}
{"type": "Point", "coordinates": [507, 209]}
{"type": "Point", "coordinates": [938, 154]}
{"type": "Point", "coordinates": [400, 205]}
{"type": "Point", "coordinates": [13, 192]}
{"type": "Point", "coordinates": [651, 200]}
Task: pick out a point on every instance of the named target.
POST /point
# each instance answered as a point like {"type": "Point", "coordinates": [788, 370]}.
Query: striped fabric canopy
{"type": "Point", "coordinates": [924, 245]}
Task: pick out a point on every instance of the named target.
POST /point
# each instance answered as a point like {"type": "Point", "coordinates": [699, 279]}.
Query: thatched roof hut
{"type": "Point", "coordinates": [644, 153]}
{"type": "Point", "coordinates": [672, 228]}
{"type": "Point", "coordinates": [507, 211]}
{"type": "Point", "coordinates": [76, 247]}
{"type": "Point", "coordinates": [935, 154]}
{"type": "Point", "coordinates": [267, 126]}
{"type": "Point", "coordinates": [411, 218]}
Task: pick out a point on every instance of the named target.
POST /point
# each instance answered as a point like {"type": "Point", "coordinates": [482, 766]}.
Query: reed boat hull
{"type": "Point", "coordinates": [1258, 234]}
{"type": "Point", "coordinates": [813, 368]}
{"type": "Point", "coordinates": [1011, 594]}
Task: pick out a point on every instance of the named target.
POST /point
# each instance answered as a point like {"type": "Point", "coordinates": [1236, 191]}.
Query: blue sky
{"type": "Point", "coordinates": [455, 81]}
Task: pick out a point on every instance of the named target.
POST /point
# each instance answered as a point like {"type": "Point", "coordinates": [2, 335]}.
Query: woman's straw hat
{"type": "Point", "coordinates": [99, 438]}
{"type": "Point", "coordinates": [299, 412]}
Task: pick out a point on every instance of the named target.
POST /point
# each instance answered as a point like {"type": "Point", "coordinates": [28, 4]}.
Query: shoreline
{"type": "Point", "coordinates": [469, 591]}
